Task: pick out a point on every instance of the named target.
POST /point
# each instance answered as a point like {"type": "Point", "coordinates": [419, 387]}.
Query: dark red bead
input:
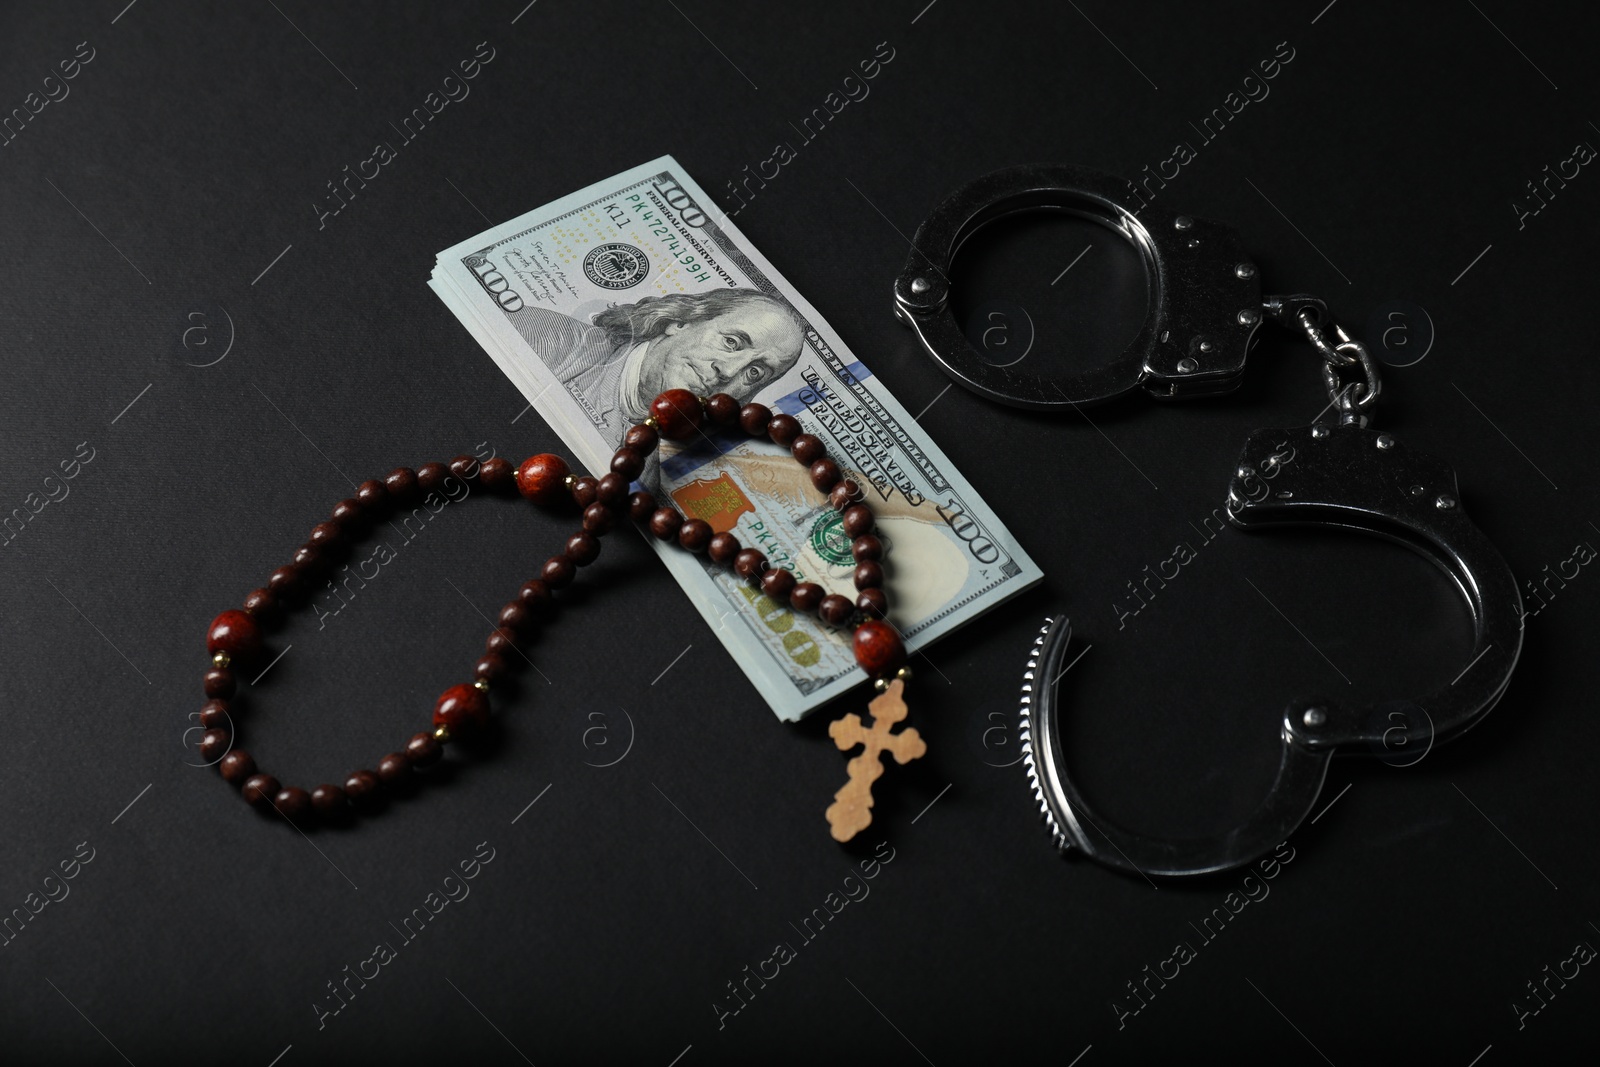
{"type": "Point", "coordinates": [498, 475]}
{"type": "Point", "coordinates": [628, 463]}
{"type": "Point", "coordinates": [558, 572]}
{"type": "Point", "coordinates": [835, 609]}
{"type": "Point", "coordinates": [678, 414]}
{"type": "Point", "coordinates": [325, 535]}
{"type": "Point", "coordinates": [778, 583]}
{"type": "Point", "coordinates": [543, 478]}
{"type": "Point", "coordinates": [423, 750]}
{"type": "Point", "coordinates": [214, 744]}
{"type": "Point", "coordinates": [466, 468]}
{"type": "Point", "coordinates": [844, 494]}
{"type": "Point", "coordinates": [328, 799]}
{"type": "Point", "coordinates": [515, 616]}
{"type": "Point", "coordinates": [824, 474]}
{"type": "Point", "coordinates": [613, 489]}
{"type": "Point", "coordinates": [501, 641]}
{"type": "Point", "coordinates": [260, 788]}
{"type": "Point", "coordinates": [641, 505]}
{"type": "Point", "coordinates": [394, 768]}
{"type": "Point", "coordinates": [237, 766]}
{"type": "Point", "coordinates": [350, 517]}
{"type": "Point", "coordinates": [783, 429]}
{"type": "Point", "coordinates": [309, 559]}
{"type": "Point", "coordinates": [214, 713]}
{"type": "Point", "coordinates": [293, 803]}
{"type": "Point", "coordinates": [874, 603]}
{"type": "Point", "coordinates": [361, 787]}
{"type": "Point", "coordinates": [286, 583]}
{"type": "Point", "coordinates": [234, 632]}
{"type": "Point", "coordinates": [585, 490]}
{"type": "Point", "coordinates": [869, 574]}
{"type": "Point", "coordinates": [373, 496]}
{"type": "Point", "coordinates": [722, 409]}
{"type": "Point", "coordinates": [263, 606]}
{"type": "Point", "coordinates": [695, 535]}
{"type": "Point", "coordinates": [723, 547]}
{"type": "Point", "coordinates": [401, 484]}
{"type": "Point", "coordinates": [806, 596]}
{"type": "Point", "coordinates": [753, 419]}
{"type": "Point", "coordinates": [749, 563]}
{"type": "Point", "coordinates": [582, 549]}
{"type": "Point", "coordinates": [664, 523]}
{"type": "Point", "coordinates": [431, 476]}
{"type": "Point", "coordinates": [491, 667]}
{"type": "Point", "coordinates": [807, 449]}
{"type": "Point", "coordinates": [536, 597]}
{"type": "Point", "coordinates": [857, 520]}
{"type": "Point", "coordinates": [220, 683]}
{"type": "Point", "coordinates": [866, 547]}
{"type": "Point", "coordinates": [598, 519]}
{"type": "Point", "coordinates": [878, 648]}
{"type": "Point", "coordinates": [461, 708]}
{"type": "Point", "coordinates": [641, 438]}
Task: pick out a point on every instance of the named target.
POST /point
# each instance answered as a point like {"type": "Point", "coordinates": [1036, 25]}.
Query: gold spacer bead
{"type": "Point", "coordinates": [904, 674]}
{"type": "Point", "coordinates": [441, 734]}
{"type": "Point", "coordinates": [568, 480]}
{"type": "Point", "coordinates": [653, 423]}
{"type": "Point", "coordinates": [481, 685]}
{"type": "Point", "coordinates": [881, 684]}
{"type": "Point", "coordinates": [221, 659]}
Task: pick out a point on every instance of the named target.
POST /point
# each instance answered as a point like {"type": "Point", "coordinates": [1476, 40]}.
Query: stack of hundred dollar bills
{"type": "Point", "coordinates": [595, 304]}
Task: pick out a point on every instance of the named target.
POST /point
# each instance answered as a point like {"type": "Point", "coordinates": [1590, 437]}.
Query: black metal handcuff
{"type": "Point", "coordinates": [1205, 303]}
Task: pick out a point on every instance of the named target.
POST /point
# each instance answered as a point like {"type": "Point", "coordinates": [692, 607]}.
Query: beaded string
{"type": "Point", "coordinates": [236, 635]}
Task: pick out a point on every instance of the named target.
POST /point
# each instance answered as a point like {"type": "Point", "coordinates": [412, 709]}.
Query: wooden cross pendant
{"type": "Point", "coordinates": [851, 810]}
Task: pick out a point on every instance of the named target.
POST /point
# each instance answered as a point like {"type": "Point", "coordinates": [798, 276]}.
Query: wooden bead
{"type": "Point", "coordinates": [612, 489]}
{"type": "Point", "coordinates": [502, 641]}
{"type": "Point", "coordinates": [263, 606]}
{"type": "Point", "coordinates": [286, 583]}
{"type": "Point", "coordinates": [778, 583]}
{"type": "Point", "coordinates": [835, 609]}
{"type": "Point", "coordinates": [543, 478]}
{"type": "Point", "coordinates": [641, 505]}
{"type": "Point", "coordinates": [806, 596]}
{"type": "Point", "coordinates": [753, 419]}
{"type": "Point", "coordinates": [328, 800]}
{"type": "Point", "coordinates": [310, 560]}
{"type": "Point", "coordinates": [641, 438]}
{"type": "Point", "coordinates": [535, 595]}
{"type": "Point", "coordinates": [869, 574]}
{"type": "Point", "coordinates": [237, 766]}
{"type": "Point", "coordinates": [783, 429]}
{"type": "Point", "coordinates": [723, 547]}
{"type": "Point", "coordinates": [293, 803]}
{"type": "Point", "coordinates": [423, 750]}
{"type": "Point", "coordinates": [431, 476]}
{"type": "Point", "coordinates": [260, 788]}
{"type": "Point", "coordinates": [873, 603]}
{"type": "Point", "coordinates": [234, 632]}
{"type": "Point", "coordinates": [857, 520]}
{"type": "Point", "coordinates": [515, 616]}
{"type": "Point", "coordinates": [678, 414]}
{"type": "Point", "coordinates": [878, 648]}
{"type": "Point", "coordinates": [498, 475]}
{"type": "Point", "coordinates": [350, 517]}
{"type": "Point", "coordinates": [695, 535]}
{"type": "Point", "coordinates": [844, 494]}
{"type": "Point", "coordinates": [325, 535]}
{"type": "Point", "coordinates": [807, 449]}
{"type": "Point", "coordinates": [462, 708]}
{"type": "Point", "coordinates": [599, 519]}
{"type": "Point", "coordinates": [628, 463]}
{"type": "Point", "coordinates": [466, 468]}
{"type": "Point", "coordinates": [749, 563]}
{"type": "Point", "coordinates": [401, 484]}
{"type": "Point", "coordinates": [394, 768]}
{"type": "Point", "coordinates": [491, 667]}
{"type": "Point", "coordinates": [220, 683]}
{"type": "Point", "coordinates": [583, 549]}
{"type": "Point", "coordinates": [215, 713]}
{"type": "Point", "coordinates": [722, 409]}
{"type": "Point", "coordinates": [585, 490]}
{"type": "Point", "coordinates": [558, 572]}
{"type": "Point", "coordinates": [825, 474]}
{"type": "Point", "coordinates": [373, 496]}
{"type": "Point", "coordinates": [664, 523]}
{"type": "Point", "coordinates": [361, 787]}
{"type": "Point", "coordinates": [214, 744]}
{"type": "Point", "coordinates": [866, 547]}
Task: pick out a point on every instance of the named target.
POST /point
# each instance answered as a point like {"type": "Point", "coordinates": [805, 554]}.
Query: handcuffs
{"type": "Point", "coordinates": [1204, 305]}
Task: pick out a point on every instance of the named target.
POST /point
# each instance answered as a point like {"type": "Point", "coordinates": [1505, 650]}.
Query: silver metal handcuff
{"type": "Point", "coordinates": [1205, 303]}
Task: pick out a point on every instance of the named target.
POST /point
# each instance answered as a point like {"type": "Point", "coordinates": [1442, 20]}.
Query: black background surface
{"type": "Point", "coordinates": [189, 154]}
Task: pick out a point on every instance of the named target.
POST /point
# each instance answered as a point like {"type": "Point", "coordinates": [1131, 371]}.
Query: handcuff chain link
{"type": "Point", "coordinates": [1339, 353]}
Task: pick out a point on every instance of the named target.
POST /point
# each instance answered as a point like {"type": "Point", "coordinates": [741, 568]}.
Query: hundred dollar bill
{"type": "Point", "coordinates": [595, 304]}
